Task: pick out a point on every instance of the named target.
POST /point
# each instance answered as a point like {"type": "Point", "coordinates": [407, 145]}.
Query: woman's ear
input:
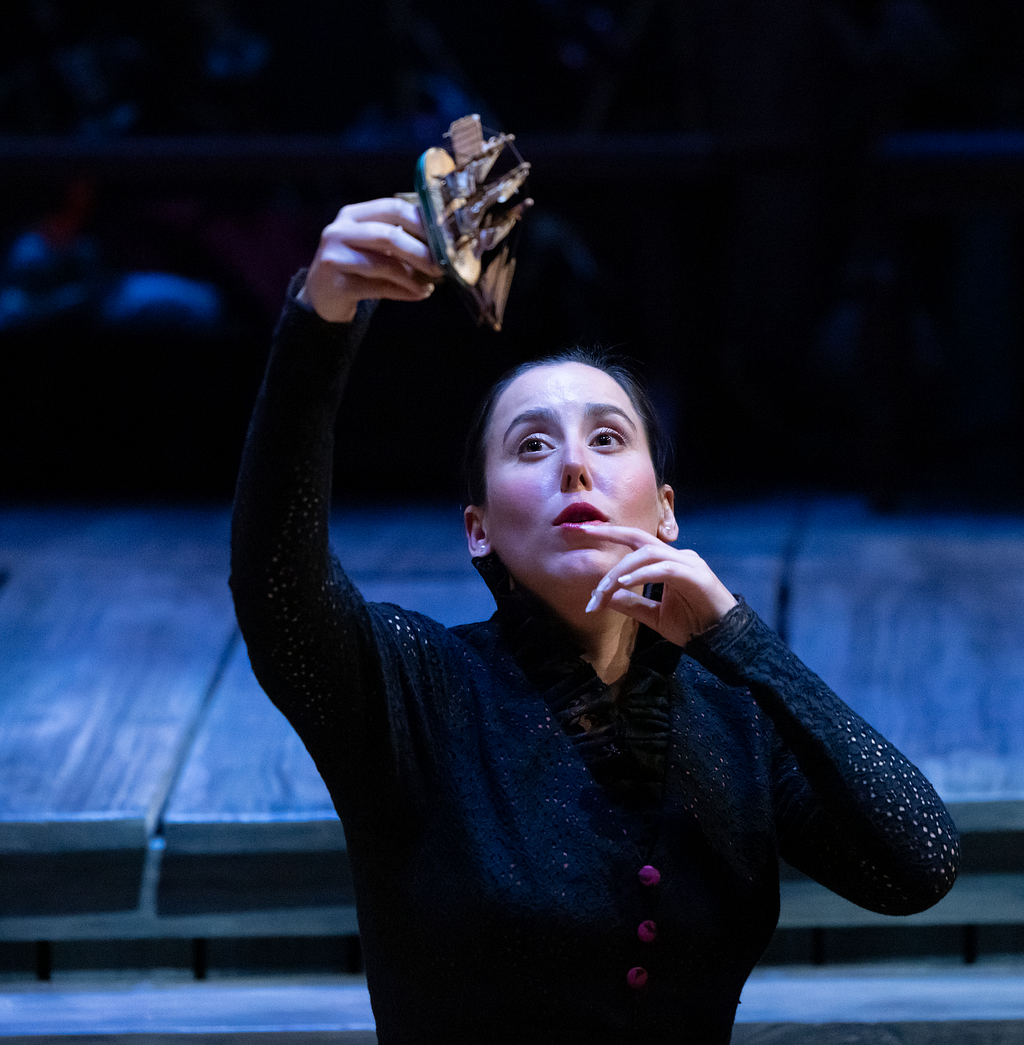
{"type": "Point", "coordinates": [476, 534]}
{"type": "Point", "coordinates": [668, 528]}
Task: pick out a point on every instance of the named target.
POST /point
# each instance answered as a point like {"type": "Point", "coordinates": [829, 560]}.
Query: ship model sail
{"type": "Point", "coordinates": [470, 216]}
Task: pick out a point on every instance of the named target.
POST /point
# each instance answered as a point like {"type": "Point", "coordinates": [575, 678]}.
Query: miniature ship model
{"type": "Point", "coordinates": [469, 218]}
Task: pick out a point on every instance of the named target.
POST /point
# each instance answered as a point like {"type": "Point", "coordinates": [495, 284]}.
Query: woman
{"type": "Point", "coordinates": [564, 823]}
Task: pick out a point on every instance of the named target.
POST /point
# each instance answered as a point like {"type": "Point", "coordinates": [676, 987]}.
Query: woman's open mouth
{"type": "Point", "coordinates": [579, 512]}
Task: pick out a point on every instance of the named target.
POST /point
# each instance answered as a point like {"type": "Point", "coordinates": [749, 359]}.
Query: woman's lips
{"type": "Point", "coordinates": [579, 512]}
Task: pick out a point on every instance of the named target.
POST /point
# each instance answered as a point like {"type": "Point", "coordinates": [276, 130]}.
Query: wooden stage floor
{"type": "Point", "coordinates": [149, 791]}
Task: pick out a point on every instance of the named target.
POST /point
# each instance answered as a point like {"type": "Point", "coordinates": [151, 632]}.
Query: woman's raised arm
{"type": "Point", "coordinates": [301, 618]}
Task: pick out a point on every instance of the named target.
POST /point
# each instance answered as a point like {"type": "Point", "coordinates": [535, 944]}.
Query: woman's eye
{"type": "Point", "coordinates": [607, 438]}
{"type": "Point", "coordinates": [531, 446]}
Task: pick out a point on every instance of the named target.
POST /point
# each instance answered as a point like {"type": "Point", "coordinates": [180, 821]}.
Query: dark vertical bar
{"type": "Point", "coordinates": [970, 944]}
{"type": "Point", "coordinates": [199, 958]}
{"type": "Point", "coordinates": [787, 569]}
{"type": "Point", "coordinates": [44, 960]}
{"type": "Point", "coordinates": [818, 946]}
{"type": "Point", "coordinates": [782, 605]}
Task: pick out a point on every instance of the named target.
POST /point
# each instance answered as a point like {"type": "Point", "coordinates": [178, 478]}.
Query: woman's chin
{"type": "Point", "coordinates": [581, 568]}
{"type": "Point", "coordinates": [565, 577]}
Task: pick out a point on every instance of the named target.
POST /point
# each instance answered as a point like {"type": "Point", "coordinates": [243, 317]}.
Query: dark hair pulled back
{"type": "Point", "coordinates": [474, 462]}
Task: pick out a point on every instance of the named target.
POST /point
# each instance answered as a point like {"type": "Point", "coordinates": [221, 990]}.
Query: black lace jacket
{"type": "Point", "coordinates": [538, 857]}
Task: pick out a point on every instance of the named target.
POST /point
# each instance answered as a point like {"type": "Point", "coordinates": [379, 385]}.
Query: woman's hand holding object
{"type": "Point", "coordinates": [693, 598]}
{"type": "Point", "coordinates": [371, 250]}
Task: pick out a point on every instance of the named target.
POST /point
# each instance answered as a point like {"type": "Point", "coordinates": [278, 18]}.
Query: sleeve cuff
{"type": "Point", "coordinates": [727, 645]}
{"type": "Point", "coordinates": [728, 630]}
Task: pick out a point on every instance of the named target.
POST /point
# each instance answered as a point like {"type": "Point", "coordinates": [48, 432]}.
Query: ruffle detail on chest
{"type": "Point", "coordinates": [620, 731]}
{"type": "Point", "coordinates": [623, 738]}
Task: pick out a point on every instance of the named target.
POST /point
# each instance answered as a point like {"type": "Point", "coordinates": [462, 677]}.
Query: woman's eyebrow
{"type": "Point", "coordinates": [537, 413]}
{"type": "Point", "coordinates": [597, 409]}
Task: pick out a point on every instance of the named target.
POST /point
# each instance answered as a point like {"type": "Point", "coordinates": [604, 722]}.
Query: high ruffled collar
{"type": "Point", "coordinates": [545, 648]}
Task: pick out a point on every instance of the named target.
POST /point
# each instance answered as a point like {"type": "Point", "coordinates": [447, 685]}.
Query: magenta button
{"type": "Point", "coordinates": [647, 931]}
{"type": "Point", "coordinates": [636, 978]}
{"type": "Point", "coordinates": [649, 875]}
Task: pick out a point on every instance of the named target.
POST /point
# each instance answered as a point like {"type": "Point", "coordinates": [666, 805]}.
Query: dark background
{"type": "Point", "coordinates": [800, 218]}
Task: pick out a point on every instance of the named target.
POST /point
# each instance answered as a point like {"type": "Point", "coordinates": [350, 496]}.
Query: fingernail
{"type": "Point", "coordinates": [428, 289]}
{"type": "Point", "coordinates": [626, 578]}
{"type": "Point", "coordinates": [593, 604]}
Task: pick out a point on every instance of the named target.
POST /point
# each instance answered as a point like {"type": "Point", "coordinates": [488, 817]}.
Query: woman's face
{"type": "Point", "coordinates": [565, 445]}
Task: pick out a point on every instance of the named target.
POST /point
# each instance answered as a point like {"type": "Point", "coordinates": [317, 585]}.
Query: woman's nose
{"type": "Point", "coordinates": [575, 475]}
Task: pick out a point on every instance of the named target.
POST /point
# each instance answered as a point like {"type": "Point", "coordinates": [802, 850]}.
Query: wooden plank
{"type": "Point", "coordinates": [916, 624]}
{"type": "Point", "coordinates": [142, 919]}
{"type": "Point", "coordinates": [248, 784]}
{"type": "Point", "coordinates": [992, 816]}
{"type": "Point", "coordinates": [449, 601]}
{"type": "Point", "coordinates": [103, 664]}
{"type": "Point", "coordinates": [402, 541]}
{"type": "Point", "coordinates": [952, 1032]}
{"type": "Point", "coordinates": [160, 534]}
{"type": "Point", "coordinates": [136, 925]}
{"type": "Point", "coordinates": [194, 884]}
{"type": "Point", "coordinates": [256, 1011]}
{"type": "Point", "coordinates": [109, 642]}
{"type": "Point", "coordinates": [415, 556]}
{"type": "Point", "coordinates": [304, 1037]}
{"type": "Point", "coordinates": [984, 899]}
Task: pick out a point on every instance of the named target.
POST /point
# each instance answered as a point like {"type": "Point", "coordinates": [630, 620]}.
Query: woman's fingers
{"type": "Point", "coordinates": [335, 285]}
{"type": "Point", "coordinates": [693, 598]}
{"type": "Point", "coordinates": [387, 240]}
{"type": "Point", "coordinates": [375, 249]}
{"type": "Point", "coordinates": [645, 548]}
{"type": "Point", "coordinates": [650, 565]}
{"type": "Point", "coordinates": [646, 611]}
{"type": "Point", "coordinates": [393, 226]}
{"type": "Point", "coordinates": [358, 261]}
{"type": "Point", "coordinates": [630, 536]}
{"type": "Point", "coordinates": [392, 210]}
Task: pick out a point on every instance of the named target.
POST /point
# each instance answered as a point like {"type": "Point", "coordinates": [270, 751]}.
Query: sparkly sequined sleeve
{"type": "Point", "coordinates": [850, 810]}
{"type": "Point", "coordinates": [315, 646]}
